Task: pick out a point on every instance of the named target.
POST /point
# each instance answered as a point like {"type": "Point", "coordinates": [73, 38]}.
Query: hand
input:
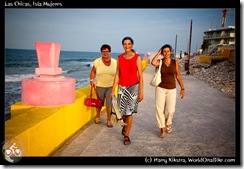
{"type": "Point", "coordinates": [182, 94]}
{"type": "Point", "coordinates": [111, 95]}
{"type": "Point", "coordinates": [140, 97]}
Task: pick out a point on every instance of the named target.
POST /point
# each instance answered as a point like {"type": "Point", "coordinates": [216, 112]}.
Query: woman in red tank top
{"type": "Point", "coordinates": [129, 79]}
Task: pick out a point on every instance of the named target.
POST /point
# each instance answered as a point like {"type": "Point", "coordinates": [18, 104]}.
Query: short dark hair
{"type": "Point", "coordinates": [166, 46]}
{"type": "Point", "coordinates": [127, 38]}
{"type": "Point", "coordinates": [105, 46]}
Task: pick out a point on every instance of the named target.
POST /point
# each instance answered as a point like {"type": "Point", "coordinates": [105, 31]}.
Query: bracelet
{"type": "Point", "coordinates": [91, 80]}
{"type": "Point", "coordinates": [182, 88]}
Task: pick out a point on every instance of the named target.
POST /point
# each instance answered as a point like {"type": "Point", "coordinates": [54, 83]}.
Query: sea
{"type": "Point", "coordinates": [21, 63]}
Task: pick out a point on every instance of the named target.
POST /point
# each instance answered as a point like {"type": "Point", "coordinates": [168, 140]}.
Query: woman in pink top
{"type": "Point", "coordinates": [129, 79]}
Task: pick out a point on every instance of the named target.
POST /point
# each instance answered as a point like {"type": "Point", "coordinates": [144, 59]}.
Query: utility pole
{"type": "Point", "coordinates": [224, 17]}
{"type": "Point", "coordinates": [189, 52]}
{"type": "Point", "coordinates": [175, 45]}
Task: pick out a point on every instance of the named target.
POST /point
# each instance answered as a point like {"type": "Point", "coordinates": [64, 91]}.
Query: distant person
{"type": "Point", "coordinates": [186, 54]}
{"type": "Point", "coordinates": [165, 93]}
{"type": "Point", "coordinates": [129, 79]}
{"type": "Point", "coordinates": [180, 54]}
{"type": "Point", "coordinates": [104, 69]}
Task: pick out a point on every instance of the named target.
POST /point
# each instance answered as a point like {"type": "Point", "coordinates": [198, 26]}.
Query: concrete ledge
{"type": "Point", "coordinates": [43, 129]}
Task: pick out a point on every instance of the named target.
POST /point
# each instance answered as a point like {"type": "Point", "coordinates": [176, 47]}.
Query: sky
{"type": "Point", "coordinates": [82, 29]}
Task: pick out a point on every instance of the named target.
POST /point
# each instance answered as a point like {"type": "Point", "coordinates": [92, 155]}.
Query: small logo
{"type": "Point", "coordinates": [13, 150]}
{"type": "Point", "coordinates": [148, 159]}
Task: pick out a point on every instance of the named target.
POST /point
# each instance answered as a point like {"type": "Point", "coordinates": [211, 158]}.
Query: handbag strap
{"type": "Point", "coordinates": [160, 64]}
{"type": "Point", "coordinates": [95, 92]}
{"type": "Point", "coordinates": [159, 68]}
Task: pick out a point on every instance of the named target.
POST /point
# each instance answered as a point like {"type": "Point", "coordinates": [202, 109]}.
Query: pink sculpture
{"type": "Point", "coordinates": [48, 89]}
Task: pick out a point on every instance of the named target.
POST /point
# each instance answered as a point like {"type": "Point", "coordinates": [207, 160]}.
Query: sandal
{"type": "Point", "coordinates": [126, 140]}
{"type": "Point", "coordinates": [169, 129]}
{"type": "Point", "coordinates": [97, 121]}
{"type": "Point", "coordinates": [110, 124]}
{"type": "Point", "coordinates": [123, 131]}
{"type": "Point", "coordinates": [162, 135]}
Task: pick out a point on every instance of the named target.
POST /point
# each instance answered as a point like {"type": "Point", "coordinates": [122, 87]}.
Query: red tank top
{"type": "Point", "coordinates": [128, 70]}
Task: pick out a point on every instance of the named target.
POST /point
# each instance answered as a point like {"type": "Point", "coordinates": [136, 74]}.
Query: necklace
{"type": "Point", "coordinates": [167, 62]}
{"type": "Point", "coordinates": [128, 56]}
{"type": "Point", "coordinates": [106, 61]}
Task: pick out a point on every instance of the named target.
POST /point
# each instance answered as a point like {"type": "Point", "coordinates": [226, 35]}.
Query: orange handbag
{"type": "Point", "coordinates": [93, 102]}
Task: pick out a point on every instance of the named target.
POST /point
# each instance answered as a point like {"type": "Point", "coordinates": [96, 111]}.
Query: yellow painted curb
{"type": "Point", "coordinates": [43, 129]}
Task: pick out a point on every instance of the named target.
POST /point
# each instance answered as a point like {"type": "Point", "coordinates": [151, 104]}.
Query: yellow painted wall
{"type": "Point", "coordinates": [144, 64]}
{"type": "Point", "coordinates": [43, 129]}
{"type": "Point", "coordinates": [223, 54]}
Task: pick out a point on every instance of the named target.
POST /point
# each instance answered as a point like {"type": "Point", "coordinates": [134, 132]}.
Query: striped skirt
{"type": "Point", "coordinates": [128, 99]}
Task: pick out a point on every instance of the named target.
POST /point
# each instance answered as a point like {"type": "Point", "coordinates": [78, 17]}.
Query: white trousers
{"type": "Point", "coordinates": [165, 106]}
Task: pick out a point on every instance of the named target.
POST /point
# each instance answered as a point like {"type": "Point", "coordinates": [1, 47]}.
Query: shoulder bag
{"type": "Point", "coordinates": [157, 75]}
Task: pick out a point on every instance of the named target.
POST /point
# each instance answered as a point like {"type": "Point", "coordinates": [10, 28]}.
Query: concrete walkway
{"type": "Point", "coordinates": [203, 126]}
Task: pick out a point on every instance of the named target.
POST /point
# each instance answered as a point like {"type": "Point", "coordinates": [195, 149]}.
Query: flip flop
{"type": "Point", "coordinates": [97, 121]}
{"type": "Point", "coordinates": [110, 124]}
{"type": "Point", "coordinates": [169, 129]}
{"type": "Point", "coordinates": [162, 135]}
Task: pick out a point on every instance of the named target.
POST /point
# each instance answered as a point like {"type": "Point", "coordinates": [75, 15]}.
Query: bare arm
{"type": "Point", "coordinates": [116, 79]}
{"type": "Point", "coordinates": [92, 76]}
{"type": "Point", "coordinates": [155, 61]}
{"type": "Point", "coordinates": [180, 81]}
{"type": "Point", "coordinates": [140, 76]}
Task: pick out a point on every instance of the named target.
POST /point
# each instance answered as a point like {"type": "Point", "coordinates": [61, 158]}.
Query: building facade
{"type": "Point", "coordinates": [219, 37]}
